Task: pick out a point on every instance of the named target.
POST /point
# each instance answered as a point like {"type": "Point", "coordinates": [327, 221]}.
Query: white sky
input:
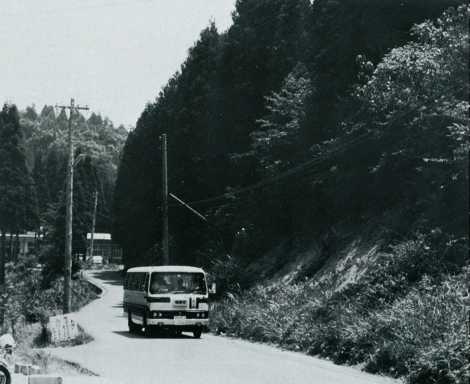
{"type": "Point", "coordinates": [113, 55]}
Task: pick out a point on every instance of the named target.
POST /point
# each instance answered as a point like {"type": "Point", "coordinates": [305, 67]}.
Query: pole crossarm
{"type": "Point", "coordinates": [72, 106]}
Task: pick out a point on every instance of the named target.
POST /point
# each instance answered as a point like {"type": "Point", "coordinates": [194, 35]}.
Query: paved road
{"type": "Point", "coordinates": [131, 359]}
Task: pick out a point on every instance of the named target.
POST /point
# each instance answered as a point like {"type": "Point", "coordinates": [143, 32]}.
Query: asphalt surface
{"type": "Point", "coordinates": [133, 359]}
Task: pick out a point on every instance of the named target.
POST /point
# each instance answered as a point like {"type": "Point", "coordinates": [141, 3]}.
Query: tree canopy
{"type": "Point", "coordinates": [17, 193]}
{"type": "Point", "coordinates": [301, 118]}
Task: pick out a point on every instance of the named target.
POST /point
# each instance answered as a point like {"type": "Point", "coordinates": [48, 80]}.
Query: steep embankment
{"type": "Point", "coordinates": [384, 305]}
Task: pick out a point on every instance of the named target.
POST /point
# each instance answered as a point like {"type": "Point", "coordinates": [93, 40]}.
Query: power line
{"type": "Point", "coordinates": [284, 175]}
{"type": "Point", "coordinates": [311, 166]}
{"type": "Point", "coordinates": [273, 193]}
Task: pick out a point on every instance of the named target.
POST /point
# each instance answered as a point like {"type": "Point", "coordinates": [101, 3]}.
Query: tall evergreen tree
{"type": "Point", "coordinates": [239, 111]}
{"type": "Point", "coordinates": [16, 187]}
{"type": "Point", "coordinates": [277, 143]}
{"type": "Point", "coordinates": [339, 31]}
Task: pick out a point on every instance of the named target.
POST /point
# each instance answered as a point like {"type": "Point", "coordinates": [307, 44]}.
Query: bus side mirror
{"type": "Point", "coordinates": [212, 289]}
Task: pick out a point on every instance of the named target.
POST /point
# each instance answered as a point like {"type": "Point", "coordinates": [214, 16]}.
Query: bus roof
{"type": "Point", "coordinates": [166, 268]}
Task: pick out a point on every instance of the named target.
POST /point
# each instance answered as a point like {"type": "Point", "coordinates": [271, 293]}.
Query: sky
{"type": "Point", "coordinates": [112, 55]}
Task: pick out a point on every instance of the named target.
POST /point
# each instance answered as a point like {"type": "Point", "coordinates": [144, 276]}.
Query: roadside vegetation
{"type": "Point", "coordinates": [399, 318]}
{"type": "Point", "coordinates": [28, 304]}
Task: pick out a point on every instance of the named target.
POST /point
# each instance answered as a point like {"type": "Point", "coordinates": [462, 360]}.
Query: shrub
{"type": "Point", "coordinates": [27, 301]}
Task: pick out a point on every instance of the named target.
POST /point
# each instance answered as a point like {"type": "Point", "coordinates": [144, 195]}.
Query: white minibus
{"type": "Point", "coordinates": [172, 298]}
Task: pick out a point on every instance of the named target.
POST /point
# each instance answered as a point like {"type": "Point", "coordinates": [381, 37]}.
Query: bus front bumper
{"type": "Point", "coordinates": [188, 324]}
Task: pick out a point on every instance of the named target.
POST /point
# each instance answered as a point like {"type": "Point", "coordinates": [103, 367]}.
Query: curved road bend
{"type": "Point", "coordinates": [132, 359]}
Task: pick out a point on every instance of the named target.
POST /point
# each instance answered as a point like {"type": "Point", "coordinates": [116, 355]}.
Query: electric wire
{"type": "Point", "coordinates": [309, 165]}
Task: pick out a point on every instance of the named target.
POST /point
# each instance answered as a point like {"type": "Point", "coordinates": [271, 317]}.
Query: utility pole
{"type": "Point", "coordinates": [95, 206]}
{"type": "Point", "coordinates": [2, 276]}
{"type": "Point", "coordinates": [165, 245]}
{"type": "Point", "coordinates": [69, 209]}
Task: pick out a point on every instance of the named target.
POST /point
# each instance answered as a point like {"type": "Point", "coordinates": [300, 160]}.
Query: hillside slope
{"type": "Point", "coordinates": [396, 308]}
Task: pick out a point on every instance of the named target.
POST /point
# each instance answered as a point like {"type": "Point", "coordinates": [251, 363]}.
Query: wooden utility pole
{"type": "Point", "coordinates": [93, 223]}
{"type": "Point", "coordinates": [165, 241]}
{"type": "Point", "coordinates": [3, 252]}
{"type": "Point", "coordinates": [69, 210]}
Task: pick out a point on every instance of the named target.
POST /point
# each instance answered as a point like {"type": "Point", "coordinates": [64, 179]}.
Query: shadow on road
{"type": "Point", "coordinates": [109, 277]}
{"type": "Point", "coordinates": [156, 335]}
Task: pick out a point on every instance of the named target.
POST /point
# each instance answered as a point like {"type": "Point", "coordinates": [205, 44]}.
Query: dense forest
{"type": "Point", "coordinates": [327, 144]}
{"type": "Point", "coordinates": [33, 157]}
{"type": "Point", "coordinates": [297, 119]}
{"type": "Point", "coordinates": [34, 149]}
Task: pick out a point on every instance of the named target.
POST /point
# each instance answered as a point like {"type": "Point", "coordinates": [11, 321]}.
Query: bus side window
{"type": "Point", "coordinates": [136, 281]}
{"type": "Point", "coordinates": [132, 281]}
{"type": "Point", "coordinates": [141, 281]}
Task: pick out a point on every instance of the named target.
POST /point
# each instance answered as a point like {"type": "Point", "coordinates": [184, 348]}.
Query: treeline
{"type": "Point", "coordinates": [301, 119]}
{"type": "Point", "coordinates": [33, 152]}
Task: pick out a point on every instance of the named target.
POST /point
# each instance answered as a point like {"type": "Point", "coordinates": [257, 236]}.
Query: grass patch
{"type": "Point", "coordinates": [83, 293]}
{"type": "Point", "coordinates": [49, 364]}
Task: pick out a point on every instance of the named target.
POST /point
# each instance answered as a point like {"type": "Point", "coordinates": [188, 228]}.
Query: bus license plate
{"type": "Point", "coordinates": [179, 319]}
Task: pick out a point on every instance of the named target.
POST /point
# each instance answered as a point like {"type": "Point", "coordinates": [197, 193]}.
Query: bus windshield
{"type": "Point", "coordinates": [177, 282]}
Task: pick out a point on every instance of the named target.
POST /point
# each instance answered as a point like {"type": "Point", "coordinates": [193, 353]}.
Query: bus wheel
{"type": "Point", "coordinates": [132, 326]}
{"type": "Point", "coordinates": [197, 333]}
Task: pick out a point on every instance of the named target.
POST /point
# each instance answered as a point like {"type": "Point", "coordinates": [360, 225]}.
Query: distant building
{"type": "Point", "coordinates": [26, 242]}
{"type": "Point", "coordinates": [103, 246]}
